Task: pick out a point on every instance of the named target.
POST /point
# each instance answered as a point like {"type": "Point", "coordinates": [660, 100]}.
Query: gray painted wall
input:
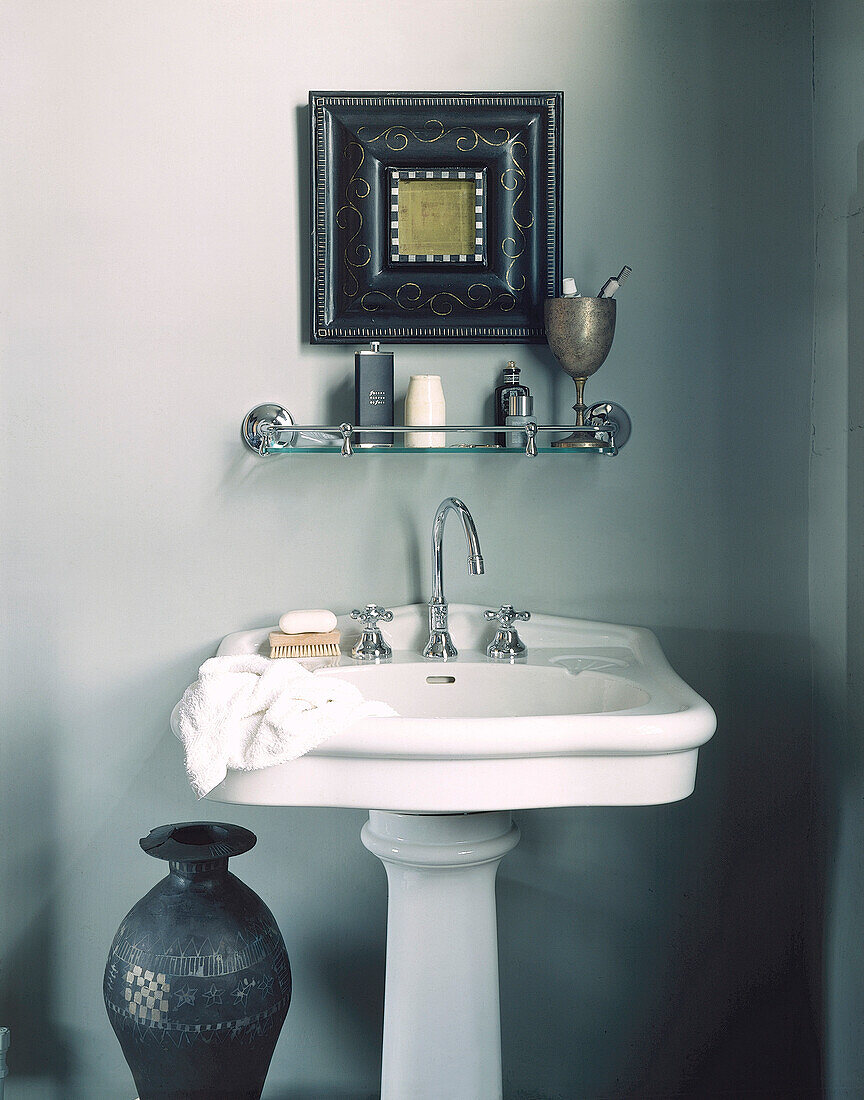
{"type": "Point", "coordinates": [154, 282]}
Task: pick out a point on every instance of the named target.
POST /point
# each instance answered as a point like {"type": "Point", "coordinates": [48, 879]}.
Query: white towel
{"type": "Point", "coordinates": [249, 712]}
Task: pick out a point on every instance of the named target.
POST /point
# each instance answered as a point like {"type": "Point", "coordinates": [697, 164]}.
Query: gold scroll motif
{"type": "Point", "coordinates": [513, 180]}
{"type": "Point", "coordinates": [435, 130]}
{"type": "Point", "coordinates": [356, 189]}
{"type": "Point", "coordinates": [409, 296]}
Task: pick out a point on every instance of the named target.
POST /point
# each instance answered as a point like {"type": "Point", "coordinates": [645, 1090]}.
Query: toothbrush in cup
{"type": "Point", "coordinates": [611, 285]}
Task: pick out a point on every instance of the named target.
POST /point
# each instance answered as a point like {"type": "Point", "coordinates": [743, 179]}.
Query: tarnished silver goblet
{"type": "Point", "coordinates": [579, 332]}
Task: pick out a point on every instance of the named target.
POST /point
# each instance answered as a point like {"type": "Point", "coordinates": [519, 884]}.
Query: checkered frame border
{"type": "Point", "coordinates": [479, 177]}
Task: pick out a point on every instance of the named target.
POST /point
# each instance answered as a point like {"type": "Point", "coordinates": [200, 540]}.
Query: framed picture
{"type": "Point", "coordinates": [435, 216]}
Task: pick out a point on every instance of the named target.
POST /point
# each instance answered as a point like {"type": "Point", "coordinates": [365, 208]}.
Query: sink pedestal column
{"type": "Point", "coordinates": [442, 1029]}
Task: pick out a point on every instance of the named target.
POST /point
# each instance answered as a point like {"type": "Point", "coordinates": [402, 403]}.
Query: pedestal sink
{"type": "Point", "coordinates": [593, 716]}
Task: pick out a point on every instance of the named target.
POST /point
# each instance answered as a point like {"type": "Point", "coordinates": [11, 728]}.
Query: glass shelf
{"type": "Point", "coordinates": [271, 430]}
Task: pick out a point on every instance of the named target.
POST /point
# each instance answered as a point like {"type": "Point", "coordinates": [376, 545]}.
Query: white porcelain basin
{"type": "Point", "coordinates": [595, 716]}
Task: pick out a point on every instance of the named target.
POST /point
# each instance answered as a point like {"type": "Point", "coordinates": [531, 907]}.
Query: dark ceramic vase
{"type": "Point", "coordinates": [197, 983]}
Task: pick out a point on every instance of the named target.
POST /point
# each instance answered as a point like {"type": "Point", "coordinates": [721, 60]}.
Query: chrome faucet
{"type": "Point", "coordinates": [440, 646]}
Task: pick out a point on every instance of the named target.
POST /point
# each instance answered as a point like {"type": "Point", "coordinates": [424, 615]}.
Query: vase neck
{"type": "Point", "coordinates": [198, 869]}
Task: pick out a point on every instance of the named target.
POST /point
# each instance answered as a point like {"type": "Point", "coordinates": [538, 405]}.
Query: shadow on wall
{"type": "Point", "coordinates": [851, 761]}
{"type": "Point", "coordinates": [843, 743]}
{"type": "Point", "coordinates": [28, 982]}
{"type": "Point", "coordinates": [662, 952]}
{"type": "Point", "coordinates": [352, 975]}
{"type": "Point", "coordinates": [304, 225]}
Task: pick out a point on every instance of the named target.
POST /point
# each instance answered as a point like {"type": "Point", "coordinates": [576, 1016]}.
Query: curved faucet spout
{"type": "Point", "coordinates": [475, 557]}
{"type": "Point", "coordinates": [440, 646]}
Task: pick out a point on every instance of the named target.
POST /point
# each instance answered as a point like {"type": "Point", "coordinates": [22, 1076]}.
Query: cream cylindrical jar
{"type": "Point", "coordinates": [424, 404]}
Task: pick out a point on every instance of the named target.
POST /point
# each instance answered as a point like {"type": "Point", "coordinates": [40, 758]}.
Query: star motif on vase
{"type": "Point", "coordinates": [265, 985]}
{"type": "Point", "coordinates": [213, 996]}
{"type": "Point", "coordinates": [242, 991]}
{"type": "Point", "coordinates": [186, 996]}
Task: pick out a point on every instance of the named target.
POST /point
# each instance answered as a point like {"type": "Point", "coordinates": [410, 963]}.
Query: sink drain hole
{"type": "Point", "coordinates": [440, 679]}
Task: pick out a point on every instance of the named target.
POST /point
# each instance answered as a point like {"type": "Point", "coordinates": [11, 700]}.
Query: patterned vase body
{"type": "Point", "coordinates": [198, 984]}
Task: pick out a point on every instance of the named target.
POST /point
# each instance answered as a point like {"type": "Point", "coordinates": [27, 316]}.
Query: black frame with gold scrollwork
{"type": "Point", "coordinates": [359, 140]}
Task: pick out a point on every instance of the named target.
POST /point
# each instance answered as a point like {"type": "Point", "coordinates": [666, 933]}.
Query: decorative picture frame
{"type": "Point", "coordinates": [435, 216]}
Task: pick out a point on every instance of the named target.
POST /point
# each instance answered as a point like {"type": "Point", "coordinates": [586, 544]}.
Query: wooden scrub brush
{"type": "Point", "coordinates": [306, 634]}
{"type": "Point", "coordinates": [309, 644]}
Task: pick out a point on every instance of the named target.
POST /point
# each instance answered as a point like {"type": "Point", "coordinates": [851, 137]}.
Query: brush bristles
{"type": "Point", "coordinates": [319, 649]}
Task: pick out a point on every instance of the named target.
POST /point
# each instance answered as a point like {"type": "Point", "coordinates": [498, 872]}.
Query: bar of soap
{"type": "Point", "coordinates": [307, 622]}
